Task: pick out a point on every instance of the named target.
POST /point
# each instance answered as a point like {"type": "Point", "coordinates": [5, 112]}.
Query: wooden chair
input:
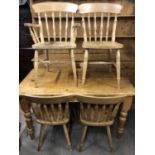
{"type": "Point", "coordinates": [51, 111]}
{"type": "Point", "coordinates": [98, 111]}
{"type": "Point", "coordinates": [54, 30]}
{"type": "Point", "coordinates": [97, 25]}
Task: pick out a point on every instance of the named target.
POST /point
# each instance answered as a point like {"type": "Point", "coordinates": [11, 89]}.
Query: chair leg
{"type": "Point", "coordinates": [109, 59]}
{"type": "Point", "coordinates": [118, 68]}
{"type": "Point", "coordinates": [73, 66]}
{"type": "Point", "coordinates": [67, 136]}
{"type": "Point", "coordinates": [47, 59]}
{"type": "Point", "coordinates": [41, 136]}
{"type": "Point", "coordinates": [109, 138]}
{"type": "Point", "coordinates": [85, 65]}
{"type": "Point", "coordinates": [36, 64]}
{"type": "Point", "coordinates": [83, 137]}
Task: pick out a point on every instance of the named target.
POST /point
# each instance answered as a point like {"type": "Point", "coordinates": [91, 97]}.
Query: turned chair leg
{"type": "Point", "coordinates": [36, 64]}
{"type": "Point", "coordinates": [85, 65]}
{"type": "Point", "coordinates": [118, 68]}
{"type": "Point", "coordinates": [67, 136]}
{"type": "Point", "coordinates": [41, 136]}
{"type": "Point", "coordinates": [83, 137]}
{"type": "Point", "coordinates": [109, 138]}
{"type": "Point", "coordinates": [73, 66]}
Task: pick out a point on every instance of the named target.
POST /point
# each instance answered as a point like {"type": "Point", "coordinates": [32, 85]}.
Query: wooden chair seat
{"type": "Point", "coordinates": [102, 45]}
{"type": "Point", "coordinates": [100, 123]}
{"type": "Point", "coordinates": [54, 45]}
{"type": "Point", "coordinates": [54, 123]}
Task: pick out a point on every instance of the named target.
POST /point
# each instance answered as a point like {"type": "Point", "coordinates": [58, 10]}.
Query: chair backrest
{"type": "Point", "coordinates": [50, 109]}
{"type": "Point", "coordinates": [56, 20]}
{"type": "Point", "coordinates": [97, 22]}
{"type": "Point", "coordinates": [99, 109]}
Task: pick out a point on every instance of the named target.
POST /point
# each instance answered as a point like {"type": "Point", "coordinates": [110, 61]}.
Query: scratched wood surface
{"type": "Point", "coordinates": [61, 81]}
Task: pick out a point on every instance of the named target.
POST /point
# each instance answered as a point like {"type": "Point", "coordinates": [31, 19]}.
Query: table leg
{"type": "Point", "coordinates": [25, 106]}
{"type": "Point", "coordinates": [123, 115]}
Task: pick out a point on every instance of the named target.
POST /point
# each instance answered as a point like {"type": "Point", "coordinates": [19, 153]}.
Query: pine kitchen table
{"type": "Point", "coordinates": [60, 82]}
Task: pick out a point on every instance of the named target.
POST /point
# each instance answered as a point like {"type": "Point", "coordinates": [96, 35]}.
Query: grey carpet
{"type": "Point", "coordinates": [95, 144]}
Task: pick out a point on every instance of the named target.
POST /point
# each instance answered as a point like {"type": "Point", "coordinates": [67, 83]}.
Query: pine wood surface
{"type": "Point", "coordinates": [54, 45]}
{"type": "Point", "coordinates": [102, 45]}
{"type": "Point", "coordinates": [124, 35]}
{"type": "Point", "coordinates": [98, 111]}
{"type": "Point", "coordinates": [61, 82]}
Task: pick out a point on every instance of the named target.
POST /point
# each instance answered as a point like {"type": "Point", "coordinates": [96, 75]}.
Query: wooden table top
{"type": "Point", "coordinates": [60, 82]}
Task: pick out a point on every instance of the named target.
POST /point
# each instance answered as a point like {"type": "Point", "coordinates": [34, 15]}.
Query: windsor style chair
{"type": "Point", "coordinates": [98, 111]}
{"type": "Point", "coordinates": [51, 111]}
{"type": "Point", "coordinates": [97, 25]}
{"type": "Point", "coordinates": [55, 30]}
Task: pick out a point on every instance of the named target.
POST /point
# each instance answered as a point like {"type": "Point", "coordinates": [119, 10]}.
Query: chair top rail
{"type": "Point", "coordinates": [55, 7]}
{"type": "Point", "coordinates": [101, 100]}
{"type": "Point", "coordinates": [48, 99]}
{"type": "Point", "coordinates": [100, 7]}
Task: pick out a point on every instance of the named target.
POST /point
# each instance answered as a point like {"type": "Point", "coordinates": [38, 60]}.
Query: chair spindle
{"type": "Point", "coordinates": [41, 112]}
{"type": "Point", "coordinates": [46, 112]}
{"type": "Point", "coordinates": [32, 35]}
{"type": "Point", "coordinates": [107, 26]}
{"type": "Point", "coordinates": [66, 27]}
{"type": "Point", "coordinates": [53, 111]}
{"type": "Point", "coordinates": [84, 29]}
{"type": "Point", "coordinates": [53, 21]}
{"type": "Point", "coordinates": [72, 26]}
{"type": "Point", "coordinates": [47, 26]}
{"type": "Point", "coordinates": [101, 26]}
{"type": "Point", "coordinates": [60, 27]}
{"type": "Point", "coordinates": [60, 112]}
{"type": "Point", "coordinates": [35, 34]}
{"type": "Point", "coordinates": [114, 28]}
{"type": "Point", "coordinates": [41, 29]}
{"type": "Point", "coordinates": [95, 27]}
{"type": "Point", "coordinates": [89, 27]}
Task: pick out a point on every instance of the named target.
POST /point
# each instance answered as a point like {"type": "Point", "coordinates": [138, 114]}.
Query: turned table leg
{"type": "Point", "coordinates": [25, 106]}
{"type": "Point", "coordinates": [123, 115]}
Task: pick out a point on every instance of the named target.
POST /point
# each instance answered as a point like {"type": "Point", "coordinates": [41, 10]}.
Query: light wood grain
{"type": "Point", "coordinates": [47, 107]}
{"type": "Point", "coordinates": [100, 7]}
{"type": "Point", "coordinates": [54, 45]}
{"type": "Point", "coordinates": [107, 27]}
{"type": "Point", "coordinates": [54, 32]}
{"type": "Point", "coordinates": [98, 111]}
{"type": "Point", "coordinates": [54, 6]}
{"type": "Point", "coordinates": [102, 45]}
{"type": "Point", "coordinates": [51, 83]}
{"type": "Point", "coordinates": [105, 9]}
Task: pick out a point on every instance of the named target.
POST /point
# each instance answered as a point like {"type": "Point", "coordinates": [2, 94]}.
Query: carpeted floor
{"type": "Point", "coordinates": [95, 144]}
